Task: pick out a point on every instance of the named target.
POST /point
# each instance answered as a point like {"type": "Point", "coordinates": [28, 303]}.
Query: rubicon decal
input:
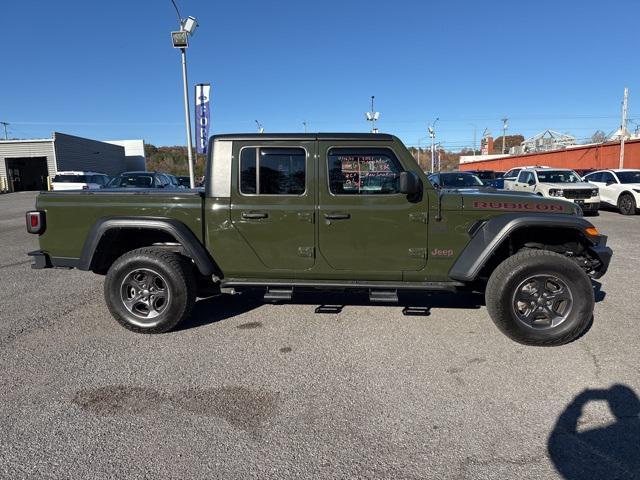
{"type": "Point", "coordinates": [532, 207]}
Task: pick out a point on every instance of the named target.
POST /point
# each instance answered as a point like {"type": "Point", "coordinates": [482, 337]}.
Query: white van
{"type": "Point", "coordinates": [79, 181]}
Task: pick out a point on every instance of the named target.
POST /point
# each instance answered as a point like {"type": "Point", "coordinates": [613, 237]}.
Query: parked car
{"type": "Point", "coordinates": [175, 182]}
{"type": "Point", "coordinates": [559, 183]}
{"type": "Point", "coordinates": [619, 188]}
{"type": "Point", "coordinates": [509, 178]}
{"type": "Point", "coordinates": [185, 181]}
{"type": "Point", "coordinates": [284, 213]}
{"type": "Point", "coordinates": [456, 180]}
{"type": "Point", "coordinates": [141, 180]}
{"type": "Point", "coordinates": [490, 178]}
{"type": "Point", "coordinates": [73, 180]}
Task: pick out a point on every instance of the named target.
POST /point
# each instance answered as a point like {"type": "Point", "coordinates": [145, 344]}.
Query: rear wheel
{"type": "Point", "coordinates": [537, 297]}
{"type": "Point", "coordinates": [150, 290]}
{"type": "Point", "coordinates": [627, 204]}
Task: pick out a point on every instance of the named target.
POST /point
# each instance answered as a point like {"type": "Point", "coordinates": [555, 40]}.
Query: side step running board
{"type": "Point", "coordinates": [278, 294]}
{"type": "Point", "coordinates": [383, 296]}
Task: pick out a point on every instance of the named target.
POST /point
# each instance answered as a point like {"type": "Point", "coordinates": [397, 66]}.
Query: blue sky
{"type": "Point", "coordinates": [107, 70]}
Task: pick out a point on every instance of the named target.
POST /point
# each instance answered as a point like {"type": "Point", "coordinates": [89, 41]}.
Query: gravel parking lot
{"type": "Point", "coordinates": [247, 390]}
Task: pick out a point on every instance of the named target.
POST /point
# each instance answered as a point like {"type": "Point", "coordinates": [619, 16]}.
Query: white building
{"type": "Point", "coordinates": [26, 164]}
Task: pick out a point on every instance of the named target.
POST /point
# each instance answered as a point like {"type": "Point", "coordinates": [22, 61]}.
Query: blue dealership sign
{"type": "Point", "coordinates": [202, 116]}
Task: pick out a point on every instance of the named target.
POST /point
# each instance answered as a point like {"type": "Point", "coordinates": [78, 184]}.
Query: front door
{"type": "Point", "coordinates": [273, 203]}
{"type": "Point", "coordinates": [365, 225]}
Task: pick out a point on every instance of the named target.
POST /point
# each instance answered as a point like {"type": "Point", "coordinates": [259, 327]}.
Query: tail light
{"type": "Point", "coordinates": [35, 222]}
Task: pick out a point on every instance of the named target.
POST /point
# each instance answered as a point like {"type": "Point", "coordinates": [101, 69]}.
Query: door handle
{"type": "Point", "coordinates": [337, 216]}
{"type": "Point", "coordinates": [254, 215]}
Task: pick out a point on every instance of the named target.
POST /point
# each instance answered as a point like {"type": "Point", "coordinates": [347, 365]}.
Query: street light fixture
{"type": "Point", "coordinates": [372, 116]}
{"type": "Point", "coordinates": [180, 39]}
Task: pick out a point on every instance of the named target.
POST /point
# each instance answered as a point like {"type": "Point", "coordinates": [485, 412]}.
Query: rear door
{"type": "Point", "coordinates": [365, 226]}
{"type": "Point", "coordinates": [273, 203]}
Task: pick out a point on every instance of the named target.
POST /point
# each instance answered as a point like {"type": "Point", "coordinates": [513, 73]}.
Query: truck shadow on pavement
{"type": "Point", "coordinates": [611, 451]}
{"type": "Point", "coordinates": [221, 307]}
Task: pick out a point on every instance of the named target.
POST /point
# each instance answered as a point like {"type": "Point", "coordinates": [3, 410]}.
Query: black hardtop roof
{"type": "Point", "coordinates": [305, 136]}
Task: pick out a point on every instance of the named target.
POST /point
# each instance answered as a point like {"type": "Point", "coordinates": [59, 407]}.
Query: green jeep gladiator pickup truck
{"type": "Point", "coordinates": [285, 212]}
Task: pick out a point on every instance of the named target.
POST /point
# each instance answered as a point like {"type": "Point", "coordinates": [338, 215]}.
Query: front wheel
{"type": "Point", "coordinates": [150, 290]}
{"type": "Point", "coordinates": [537, 297]}
{"type": "Point", "coordinates": [627, 204]}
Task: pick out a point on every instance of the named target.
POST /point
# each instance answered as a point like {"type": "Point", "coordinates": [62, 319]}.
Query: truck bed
{"type": "Point", "coordinates": [67, 228]}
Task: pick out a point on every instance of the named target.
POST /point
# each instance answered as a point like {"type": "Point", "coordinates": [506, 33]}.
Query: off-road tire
{"type": "Point", "coordinates": [174, 269]}
{"type": "Point", "coordinates": [627, 204]}
{"type": "Point", "coordinates": [506, 278]}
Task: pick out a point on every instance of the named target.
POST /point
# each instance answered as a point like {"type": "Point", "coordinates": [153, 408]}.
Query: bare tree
{"type": "Point", "coordinates": [598, 136]}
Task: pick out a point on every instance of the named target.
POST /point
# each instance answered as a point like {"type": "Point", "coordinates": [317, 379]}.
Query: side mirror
{"type": "Point", "coordinates": [409, 183]}
{"type": "Point", "coordinates": [531, 182]}
{"type": "Point", "coordinates": [610, 182]}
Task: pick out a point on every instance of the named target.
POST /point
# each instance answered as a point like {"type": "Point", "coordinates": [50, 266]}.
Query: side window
{"type": "Point", "coordinates": [608, 177]}
{"type": "Point", "coordinates": [594, 177]}
{"type": "Point", "coordinates": [272, 171]}
{"type": "Point", "coordinates": [522, 178]}
{"type": "Point", "coordinates": [358, 171]}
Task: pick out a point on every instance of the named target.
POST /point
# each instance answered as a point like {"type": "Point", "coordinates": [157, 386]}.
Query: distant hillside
{"type": "Point", "coordinates": [171, 160]}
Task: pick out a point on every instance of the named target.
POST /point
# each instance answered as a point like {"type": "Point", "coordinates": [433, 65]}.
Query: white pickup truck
{"type": "Point", "coordinates": [79, 181]}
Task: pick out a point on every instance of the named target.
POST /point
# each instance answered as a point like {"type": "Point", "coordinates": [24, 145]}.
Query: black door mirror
{"type": "Point", "coordinates": [409, 183]}
{"type": "Point", "coordinates": [610, 182]}
{"type": "Point", "coordinates": [531, 182]}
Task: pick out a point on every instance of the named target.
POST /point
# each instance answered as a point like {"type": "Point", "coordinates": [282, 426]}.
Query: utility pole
{"type": "Point", "coordinates": [432, 135]}
{"type": "Point", "coordinates": [5, 125]}
{"type": "Point", "coordinates": [505, 125]}
{"type": "Point", "coordinates": [623, 126]}
{"type": "Point", "coordinates": [474, 138]}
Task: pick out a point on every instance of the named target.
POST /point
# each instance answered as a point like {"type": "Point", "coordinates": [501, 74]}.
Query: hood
{"type": "Point", "coordinates": [569, 186]}
{"type": "Point", "coordinates": [508, 201]}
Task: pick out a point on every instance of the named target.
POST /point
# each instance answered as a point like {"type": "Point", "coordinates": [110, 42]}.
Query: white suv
{"type": "Point", "coordinates": [79, 181]}
{"type": "Point", "coordinates": [559, 183]}
{"type": "Point", "coordinates": [619, 188]}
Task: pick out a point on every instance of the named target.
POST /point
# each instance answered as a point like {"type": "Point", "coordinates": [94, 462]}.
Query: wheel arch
{"type": "Point", "coordinates": [140, 232]}
{"type": "Point", "coordinates": [497, 233]}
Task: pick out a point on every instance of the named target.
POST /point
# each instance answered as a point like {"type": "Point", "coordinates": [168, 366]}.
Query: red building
{"type": "Point", "coordinates": [597, 156]}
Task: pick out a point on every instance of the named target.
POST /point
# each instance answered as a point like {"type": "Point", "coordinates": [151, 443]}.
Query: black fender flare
{"type": "Point", "coordinates": [492, 233]}
{"type": "Point", "coordinates": [178, 230]}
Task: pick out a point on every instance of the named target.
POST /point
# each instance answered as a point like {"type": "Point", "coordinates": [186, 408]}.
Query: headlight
{"type": "Point", "coordinates": [594, 192]}
{"type": "Point", "coordinates": [554, 192]}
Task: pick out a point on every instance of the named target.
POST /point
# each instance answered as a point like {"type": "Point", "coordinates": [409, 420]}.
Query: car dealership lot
{"type": "Point", "coordinates": [253, 390]}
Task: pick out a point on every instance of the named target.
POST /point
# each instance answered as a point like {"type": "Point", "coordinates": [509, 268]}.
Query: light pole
{"type": "Point", "coordinates": [432, 135]}
{"type": "Point", "coordinates": [180, 39]}
{"type": "Point", "coordinates": [260, 127]}
{"type": "Point", "coordinates": [505, 125]}
{"type": "Point", "coordinates": [474, 138]}
{"type": "Point", "coordinates": [372, 116]}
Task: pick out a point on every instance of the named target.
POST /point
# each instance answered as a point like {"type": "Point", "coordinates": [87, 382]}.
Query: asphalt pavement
{"type": "Point", "coordinates": [252, 390]}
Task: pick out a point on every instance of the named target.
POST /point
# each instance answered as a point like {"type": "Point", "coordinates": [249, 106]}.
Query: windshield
{"type": "Point", "coordinates": [132, 181]}
{"type": "Point", "coordinates": [485, 175]}
{"type": "Point", "coordinates": [71, 179]}
{"type": "Point", "coordinates": [459, 180]}
{"type": "Point", "coordinates": [558, 176]}
{"type": "Point", "coordinates": [629, 177]}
